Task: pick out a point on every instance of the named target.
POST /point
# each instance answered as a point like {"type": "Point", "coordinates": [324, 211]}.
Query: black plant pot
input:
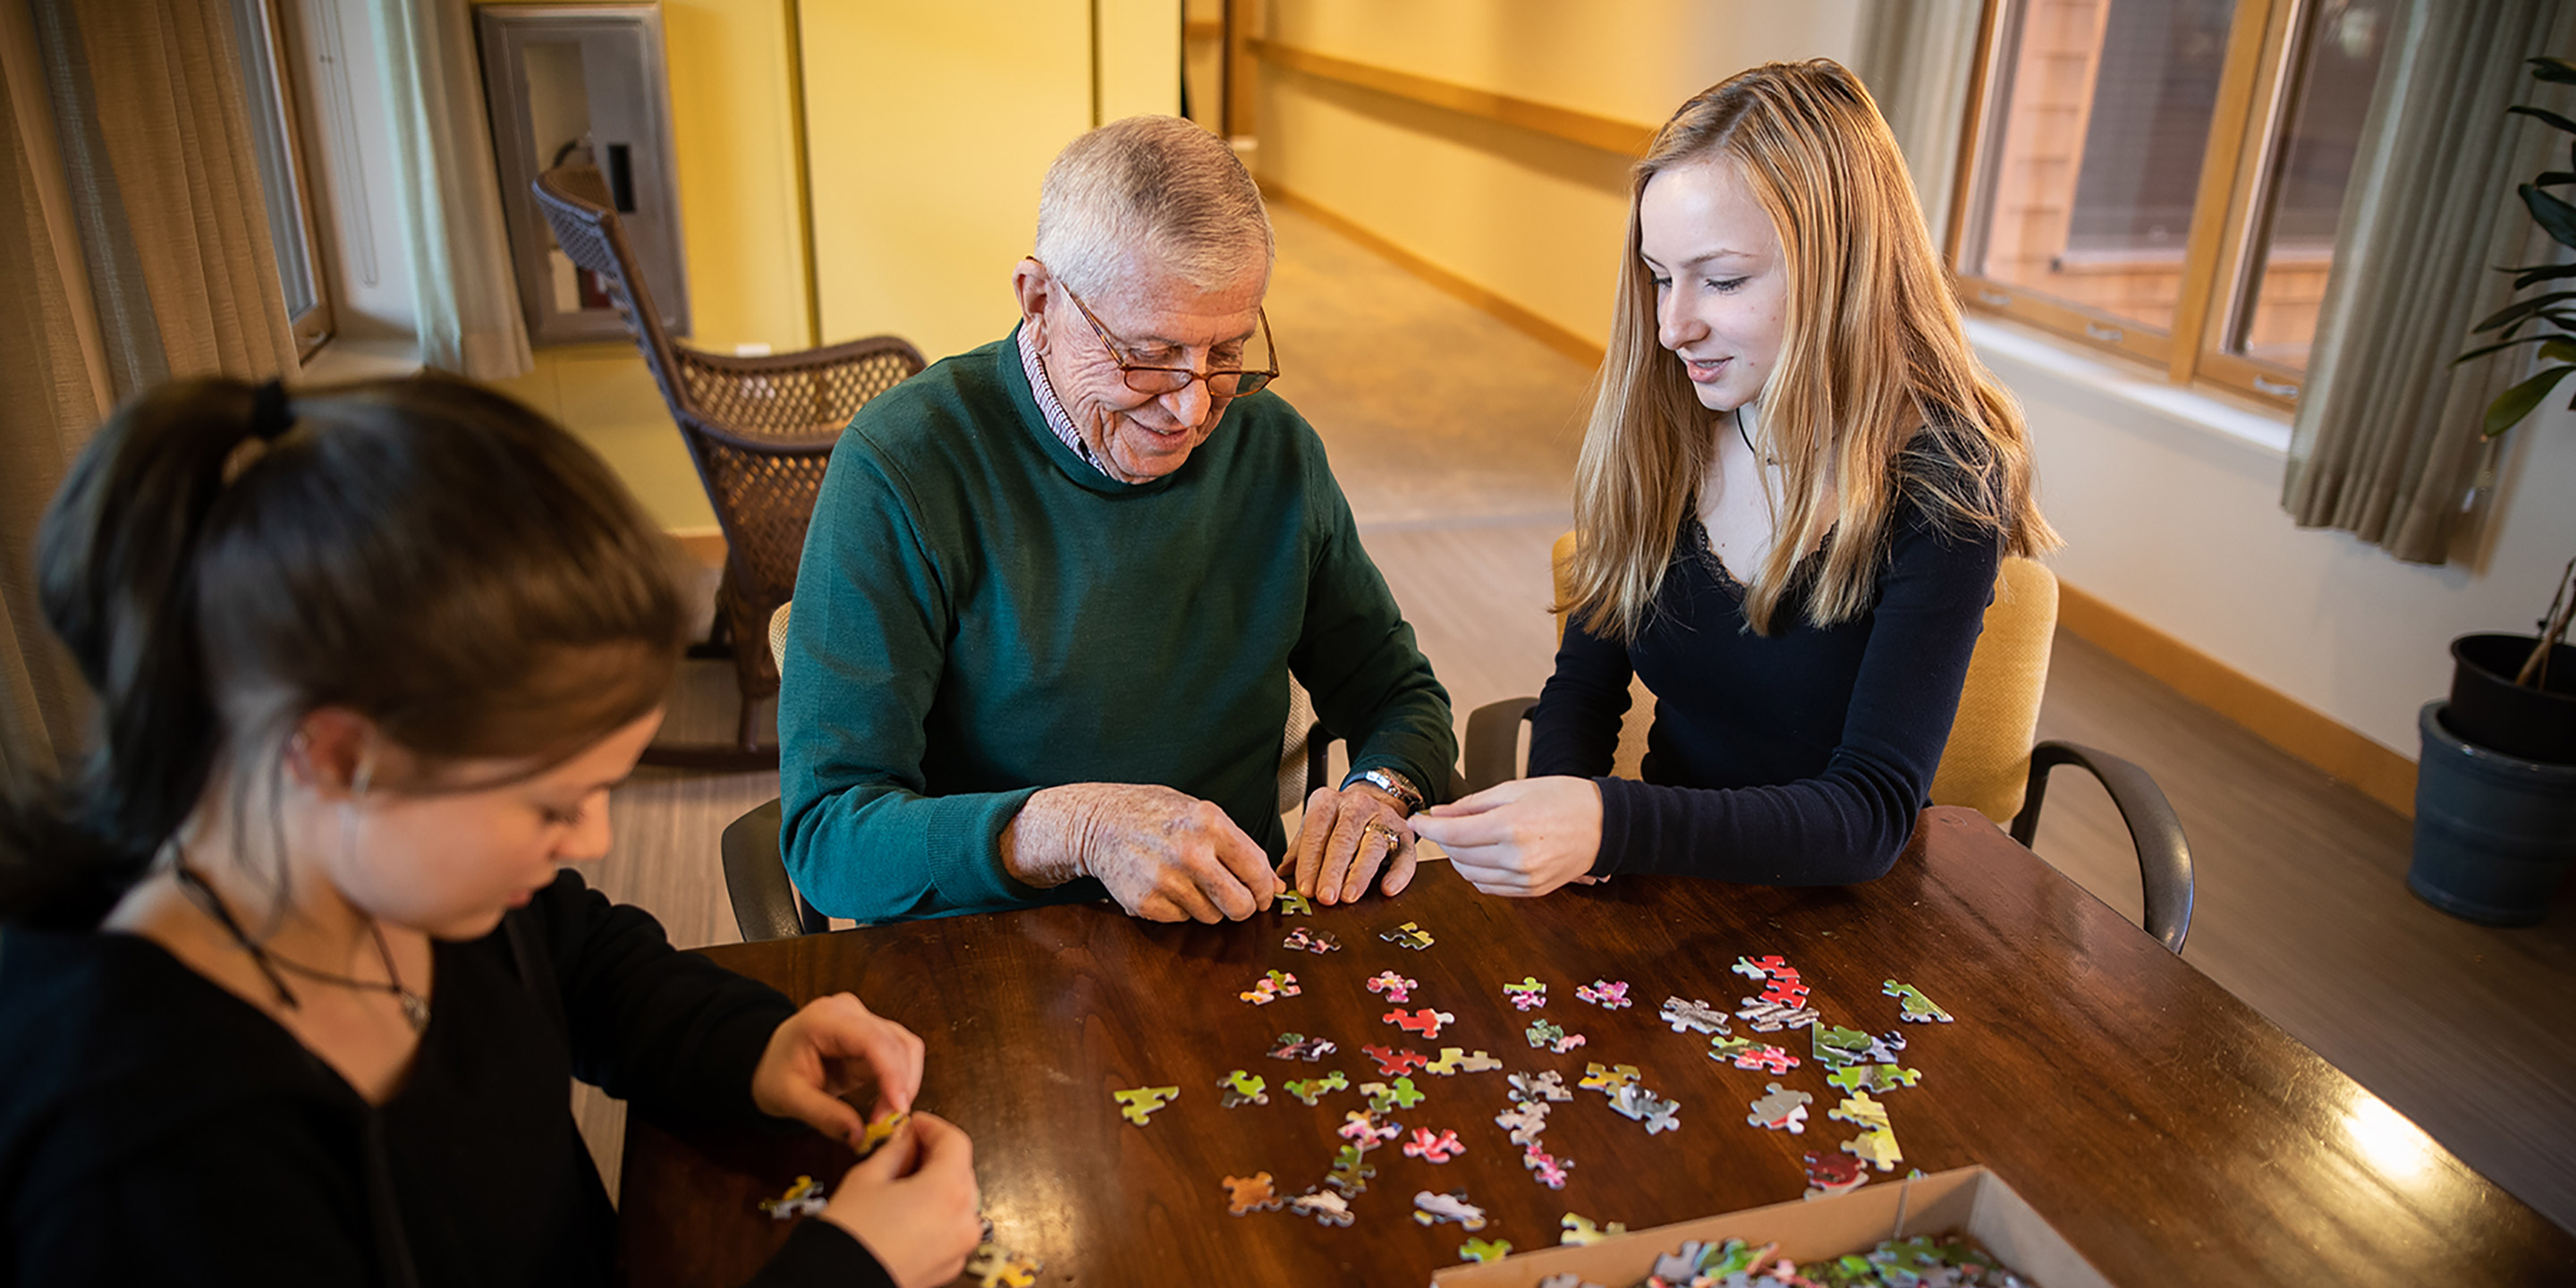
{"type": "Point", "coordinates": [2487, 708]}
{"type": "Point", "coordinates": [2495, 835]}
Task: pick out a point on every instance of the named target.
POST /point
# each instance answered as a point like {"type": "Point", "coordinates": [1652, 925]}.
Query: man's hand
{"type": "Point", "coordinates": [824, 1051]}
{"type": "Point", "coordinates": [1342, 839]}
{"type": "Point", "coordinates": [1164, 855]}
{"type": "Point", "coordinates": [914, 1203]}
{"type": "Point", "coordinates": [1522, 838]}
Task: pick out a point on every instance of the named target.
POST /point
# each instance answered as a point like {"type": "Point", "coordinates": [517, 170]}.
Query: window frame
{"type": "Point", "coordinates": [316, 325]}
{"type": "Point", "coordinates": [2258, 75]}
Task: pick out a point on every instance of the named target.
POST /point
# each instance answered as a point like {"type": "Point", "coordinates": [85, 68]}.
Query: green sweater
{"type": "Point", "coordinates": [980, 613]}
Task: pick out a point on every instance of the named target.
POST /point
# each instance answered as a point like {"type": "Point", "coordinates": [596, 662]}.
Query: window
{"type": "Point", "coordinates": [261, 41]}
{"type": "Point", "coordinates": [2164, 177]}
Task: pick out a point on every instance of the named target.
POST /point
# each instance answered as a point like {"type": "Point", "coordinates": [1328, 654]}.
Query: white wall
{"type": "Point", "coordinates": [2179, 524]}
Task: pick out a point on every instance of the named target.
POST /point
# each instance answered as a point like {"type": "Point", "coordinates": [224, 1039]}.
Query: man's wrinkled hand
{"type": "Point", "coordinates": [1343, 839]}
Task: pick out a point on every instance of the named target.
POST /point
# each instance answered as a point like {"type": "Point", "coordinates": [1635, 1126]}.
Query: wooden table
{"type": "Point", "coordinates": [2166, 1130]}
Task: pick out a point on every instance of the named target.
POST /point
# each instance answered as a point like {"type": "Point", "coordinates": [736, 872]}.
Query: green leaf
{"type": "Point", "coordinates": [2542, 114]}
{"type": "Point", "coordinates": [2560, 350]}
{"type": "Point", "coordinates": [2548, 274]}
{"type": "Point", "coordinates": [2513, 404]}
{"type": "Point", "coordinates": [2485, 349]}
{"type": "Point", "coordinates": [2553, 69]}
{"type": "Point", "coordinates": [2555, 215]}
{"type": "Point", "coordinates": [2553, 178]}
{"type": "Point", "coordinates": [2523, 309]}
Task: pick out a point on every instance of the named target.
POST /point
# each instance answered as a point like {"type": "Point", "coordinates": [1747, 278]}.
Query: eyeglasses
{"type": "Point", "coordinates": [1227, 383]}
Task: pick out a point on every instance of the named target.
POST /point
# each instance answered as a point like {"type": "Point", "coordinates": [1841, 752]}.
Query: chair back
{"type": "Point", "coordinates": [1986, 764]}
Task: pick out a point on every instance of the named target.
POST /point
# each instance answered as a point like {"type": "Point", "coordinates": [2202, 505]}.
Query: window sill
{"type": "Point", "coordinates": [341, 359]}
{"type": "Point", "coordinates": [2016, 352]}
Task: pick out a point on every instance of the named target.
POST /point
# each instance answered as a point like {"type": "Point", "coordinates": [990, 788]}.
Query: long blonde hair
{"type": "Point", "coordinates": [1876, 393]}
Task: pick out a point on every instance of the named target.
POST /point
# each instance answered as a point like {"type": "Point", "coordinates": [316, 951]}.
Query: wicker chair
{"type": "Point", "coordinates": [760, 430]}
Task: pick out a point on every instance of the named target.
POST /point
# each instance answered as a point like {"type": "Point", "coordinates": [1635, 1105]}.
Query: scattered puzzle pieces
{"type": "Point", "coordinates": [1525, 1121]}
{"type": "Point", "coordinates": [1250, 1194]}
{"type": "Point", "coordinates": [1607, 1079]}
{"type": "Point", "coordinates": [1297, 1046]}
{"type": "Point", "coordinates": [1408, 935]}
{"type": "Point", "coordinates": [1396, 987]}
{"type": "Point", "coordinates": [1242, 1088]}
{"type": "Point", "coordinates": [1759, 968]}
{"type": "Point", "coordinates": [1873, 1077]}
{"type": "Point", "coordinates": [1788, 993]}
{"type": "Point", "coordinates": [1528, 995]}
{"type": "Point", "coordinates": [1580, 1230]}
{"type": "Point", "coordinates": [994, 1266]}
{"type": "Point", "coordinates": [1765, 1057]}
{"type": "Point", "coordinates": [1549, 1085]}
{"type": "Point", "coordinates": [1327, 1209]}
{"type": "Point", "coordinates": [1862, 1112]}
{"type": "Point", "coordinates": [1607, 994]}
{"type": "Point", "coordinates": [1838, 1047]}
{"type": "Point", "coordinates": [1402, 1095]}
{"type": "Point", "coordinates": [1434, 1149]}
{"type": "Point", "coordinates": [1363, 1128]}
{"type": "Point", "coordinates": [1686, 1015]}
{"type": "Point", "coordinates": [1431, 1209]}
{"type": "Point", "coordinates": [1141, 1102]}
{"type": "Point", "coordinates": [803, 1198]}
{"type": "Point", "coordinates": [1554, 1038]}
{"type": "Point", "coordinates": [1549, 1168]}
{"type": "Point", "coordinates": [1912, 1006]}
{"type": "Point", "coordinates": [1771, 1017]}
{"type": "Point", "coordinates": [1781, 1110]}
{"type": "Point", "coordinates": [1454, 1060]}
{"type": "Point", "coordinates": [1877, 1148]}
{"type": "Point", "coordinates": [1643, 1106]}
{"type": "Point", "coordinates": [1312, 1089]}
{"type": "Point", "coordinates": [1313, 941]}
{"type": "Point", "coordinates": [1351, 1172]}
{"type": "Point", "coordinates": [1724, 1047]}
{"type": "Point", "coordinates": [1835, 1173]}
{"type": "Point", "coordinates": [1296, 905]}
{"type": "Point", "coordinates": [1484, 1250]}
{"type": "Point", "coordinates": [1392, 1062]}
{"type": "Point", "coordinates": [1426, 1021]}
{"type": "Point", "coordinates": [1270, 988]}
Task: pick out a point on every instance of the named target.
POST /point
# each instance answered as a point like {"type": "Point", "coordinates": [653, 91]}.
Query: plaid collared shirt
{"type": "Point", "coordinates": [1050, 407]}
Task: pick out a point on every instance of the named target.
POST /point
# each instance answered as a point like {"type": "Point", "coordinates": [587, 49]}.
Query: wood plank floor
{"type": "Point", "coordinates": [1454, 438]}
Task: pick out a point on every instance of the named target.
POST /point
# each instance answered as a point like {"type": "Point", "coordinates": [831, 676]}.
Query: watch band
{"type": "Point", "coordinates": [1390, 782]}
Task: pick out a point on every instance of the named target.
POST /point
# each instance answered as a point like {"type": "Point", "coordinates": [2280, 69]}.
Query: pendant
{"type": "Point", "coordinates": [415, 1010]}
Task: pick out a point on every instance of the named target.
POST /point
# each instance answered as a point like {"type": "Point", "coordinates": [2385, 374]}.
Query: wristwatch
{"type": "Point", "coordinates": [1390, 782]}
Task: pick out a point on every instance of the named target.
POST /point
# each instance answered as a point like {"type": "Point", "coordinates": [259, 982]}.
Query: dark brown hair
{"type": "Point", "coordinates": [431, 555]}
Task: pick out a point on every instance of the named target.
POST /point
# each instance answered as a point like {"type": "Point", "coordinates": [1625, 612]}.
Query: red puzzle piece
{"type": "Point", "coordinates": [1392, 1063]}
{"type": "Point", "coordinates": [1766, 1057]}
{"type": "Point", "coordinates": [1433, 1149]}
{"type": "Point", "coordinates": [1426, 1021]}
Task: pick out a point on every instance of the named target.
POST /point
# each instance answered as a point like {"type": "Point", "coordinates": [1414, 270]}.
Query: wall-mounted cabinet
{"type": "Point", "coordinates": [572, 82]}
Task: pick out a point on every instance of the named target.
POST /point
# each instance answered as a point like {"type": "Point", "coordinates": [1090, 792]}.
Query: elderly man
{"type": "Point", "coordinates": [1055, 588]}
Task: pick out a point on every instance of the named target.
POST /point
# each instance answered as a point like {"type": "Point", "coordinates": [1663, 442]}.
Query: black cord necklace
{"type": "Point", "coordinates": [415, 1008]}
{"type": "Point", "coordinates": [1738, 414]}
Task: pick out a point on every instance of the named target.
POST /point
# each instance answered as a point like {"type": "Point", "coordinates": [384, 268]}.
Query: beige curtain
{"type": "Point", "coordinates": [2386, 444]}
{"type": "Point", "coordinates": [140, 249]}
{"type": "Point", "coordinates": [466, 299]}
{"type": "Point", "coordinates": [1917, 58]}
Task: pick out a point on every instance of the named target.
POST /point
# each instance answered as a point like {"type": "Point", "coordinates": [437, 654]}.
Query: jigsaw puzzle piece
{"type": "Point", "coordinates": [1528, 995]}
{"type": "Point", "coordinates": [1425, 1021]}
{"type": "Point", "coordinates": [1912, 1006]}
{"type": "Point", "coordinates": [1396, 987]}
{"type": "Point", "coordinates": [1139, 1103]}
{"type": "Point", "coordinates": [1296, 905]}
{"type": "Point", "coordinates": [1433, 1149]}
{"type": "Point", "coordinates": [1835, 1173]}
{"type": "Point", "coordinates": [1548, 1169]}
{"type": "Point", "coordinates": [1408, 935]}
{"type": "Point", "coordinates": [1781, 1110]}
{"type": "Point", "coordinates": [1877, 1148]}
{"type": "Point", "coordinates": [1250, 1194]}
{"type": "Point", "coordinates": [1607, 1079]}
{"type": "Point", "coordinates": [1242, 1088]}
{"type": "Point", "coordinates": [1687, 1014]}
{"type": "Point", "coordinates": [1431, 1209]}
{"type": "Point", "coordinates": [1766, 1057]}
{"type": "Point", "coordinates": [1327, 1209]}
{"type": "Point", "coordinates": [1484, 1250]}
{"type": "Point", "coordinates": [1580, 1230]}
{"type": "Point", "coordinates": [1547, 1085]}
{"type": "Point", "coordinates": [1862, 1112]}
{"type": "Point", "coordinates": [1606, 994]}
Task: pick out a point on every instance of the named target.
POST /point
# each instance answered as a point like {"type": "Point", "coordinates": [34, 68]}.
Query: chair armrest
{"type": "Point", "coordinates": [2164, 856]}
{"type": "Point", "coordinates": [765, 902]}
{"type": "Point", "coordinates": [1494, 742]}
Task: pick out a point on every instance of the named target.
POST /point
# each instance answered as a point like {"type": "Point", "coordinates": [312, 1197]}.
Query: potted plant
{"type": "Point", "coordinates": [2495, 788]}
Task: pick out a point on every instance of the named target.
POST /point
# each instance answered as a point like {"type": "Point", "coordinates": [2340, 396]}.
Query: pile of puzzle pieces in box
{"type": "Point", "coordinates": [1919, 1262]}
{"type": "Point", "coordinates": [1361, 1101]}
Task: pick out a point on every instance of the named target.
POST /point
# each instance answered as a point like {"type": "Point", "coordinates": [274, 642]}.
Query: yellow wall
{"type": "Point", "coordinates": [929, 126]}
{"type": "Point", "coordinates": [1536, 220]}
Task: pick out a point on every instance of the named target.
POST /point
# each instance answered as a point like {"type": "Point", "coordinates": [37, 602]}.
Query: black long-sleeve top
{"type": "Point", "coordinates": [156, 1129]}
{"type": "Point", "coordinates": [1797, 759]}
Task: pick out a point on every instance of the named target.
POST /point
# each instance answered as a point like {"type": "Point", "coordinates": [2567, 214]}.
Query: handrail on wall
{"type": "Point", "coordinates": [1625, 138]}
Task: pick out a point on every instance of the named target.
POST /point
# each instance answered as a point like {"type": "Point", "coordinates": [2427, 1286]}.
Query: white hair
{"type": "Point", "coordinates": [1150, 190]}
